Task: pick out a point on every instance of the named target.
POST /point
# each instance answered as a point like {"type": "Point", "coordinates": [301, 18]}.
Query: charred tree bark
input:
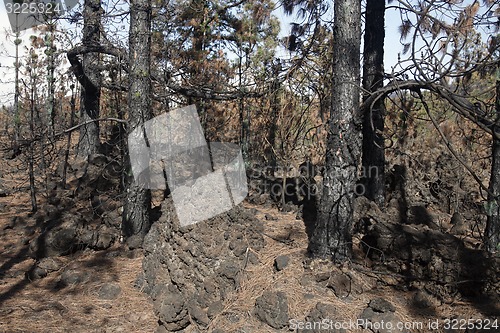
{"type": "Point", "coordinates": [373, 114]}
{"type": "Point", "coordinates": [17, 112]}
{"type": "Point", "coordinates": [51, 80]}
{"type": "Point", "coordinates": [68, 142]}
{"type": "Point", "coordinates": [492, 234]}
{"type": "Point", "coordinates": [89, 142]}
{"type": "Point", "coordinates": [273, 126]}
{"type": "Point", "coordinates": [137, 205]}
{"type": "Point", "coordinates": [332, 234]}
{"type": "Point", "coordinates": [31, 157]}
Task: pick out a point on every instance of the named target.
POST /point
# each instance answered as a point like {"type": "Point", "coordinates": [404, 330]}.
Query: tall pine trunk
{"type": "Point", "coordinates": [31, 156]}
{"type": "Point", "coordinates": [17, 112]}
{"type": "Point", "coordinates": [136, 214]}
{"type": "Point", "coordinates": [373, 115]}
{"type": "Point", "coordinates": [492, 234]}
{"type": "Point", "coordinates": [51, 66]}
{"type": "Point", "coordinates": [273, 125]}
{"type": "Point", "coordinates": [332, 233]}
{"type": "Point", "coordinates": [89, 142]}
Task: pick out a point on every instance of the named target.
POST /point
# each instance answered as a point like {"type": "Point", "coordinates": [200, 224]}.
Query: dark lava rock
{"type": "Point", "coordinates": [272, 309]}
{"type": "Point", "coordinates": [340, 283]}
{"type": "Point", "coordinates": [3, 192]}
{"type": "Point", "coordinates": [161, 329]}
{"type": "Point", "coordinates": [269, 217]}
{"type": "Point", "coordinates": [214, 309]}
{"type": "Point", "coordinates": [440, 260]}
{"type": "Point", "coordinates": [55, 242]}
{"type": "Point", "coordinates": [252, 258]}
{"type": "Point", "coordinates": [422, 300]}
{"type": "Point", "coordinates": [289, 207]}
{"type": "Point", "coordinates": [320, 313]}
{"type": "Point", "coordinates": [229, 270]}
{"type": "Point", "coordinates": [203, 261]}
{"type": "Point", "coordinates": [36, 273]}
{"type": "Point", "coordinates": [105, 238]}
{"type": "Point", "coordinates": [381, 305]}
{"type": "Point", "coordinates": [74, 276]}
{"type": "Point", "coordinates": [379, 317]}
{"type": "Point", "coordinates": [109, 291]}
{"type": "Point", "coordinates": [281, 262]}
{"type": "Point", "coordinates": [171, 309]}
{"type": "Point", "coordinates": [140, 281]}
{"type": "Point", "coordinates": [50, 264]}
{"type": "Point", "coordinates": [134, 242]}
{"type": "Point", "coordinates": [98, 239]}
{"type": "Point", "coordinates": [238, 246]}
{"type": "Point", "coordinates": [199, 315]}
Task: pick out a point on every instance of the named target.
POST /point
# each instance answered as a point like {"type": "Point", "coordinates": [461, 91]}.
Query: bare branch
{"type": "Point", "coordinates": [449, 145]}
{"type": "Point", "coordinates": [460, 104]}
{"type": "Point", "coordinates": [25, 143]}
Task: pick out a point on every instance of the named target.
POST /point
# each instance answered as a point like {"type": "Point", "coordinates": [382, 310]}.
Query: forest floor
{"type": "Point", "coordinates": [47, 306]}
{"type": "Point", "coordinates": [98, 291]}
{"type": "Point", "coordinates": [87, 291]}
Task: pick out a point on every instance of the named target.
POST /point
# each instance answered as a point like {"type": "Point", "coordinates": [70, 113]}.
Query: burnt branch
{"type": "Point", "coordinates": [77, 66]}
{"type": "Point", "coordinates": [460, 104]}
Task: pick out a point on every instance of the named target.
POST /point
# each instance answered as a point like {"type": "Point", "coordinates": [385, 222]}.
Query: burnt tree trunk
{"type": "Point", "coordinates": [373, 115]}
{"type": "Point", "coordinates": [51, 80]}
{"type": "Point", "coordinates": [273, 125]}
{"type": "Point", "coordinates": [492, 234]}
{"type": "Point", "coordinates": [332, 233]}
{"type": "Point", "coordinates": [89, 142]}
{"type": "Point", "coordinates": [137, 205]}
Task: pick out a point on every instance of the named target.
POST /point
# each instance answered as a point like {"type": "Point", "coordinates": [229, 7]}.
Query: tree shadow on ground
{"type": "Point", "coordinates": [477, 287]}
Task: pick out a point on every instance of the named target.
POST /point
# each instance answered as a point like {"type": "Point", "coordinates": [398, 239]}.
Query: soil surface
{"type": "Point", "coordinates": [259, 279]}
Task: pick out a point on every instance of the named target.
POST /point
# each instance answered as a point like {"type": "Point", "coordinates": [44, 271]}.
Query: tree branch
{"type": "Point", "coordinates": [449, 145]}
{"type": "Point", "coordinates": [206, 93]}
{"type": "Point", "coordinates": [77, 67]}
{"type": "Point", "coordinates": [39, 137]}
{"type": "Point", "coordinates": [460, 104]}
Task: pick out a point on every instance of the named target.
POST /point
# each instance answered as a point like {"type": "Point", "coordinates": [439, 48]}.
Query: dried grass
{"type": "Point", "coordinates": [40, 306]}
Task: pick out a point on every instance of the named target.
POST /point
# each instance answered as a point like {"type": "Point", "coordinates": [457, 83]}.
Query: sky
{"type": "Point", "coordinates": [7, 49]}
{"type": "Point", "coordinates": [392, 45]}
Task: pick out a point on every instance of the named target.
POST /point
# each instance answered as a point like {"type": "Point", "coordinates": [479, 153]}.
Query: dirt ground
{"type": "Point", "coordinates": [53, 304]}
{"type": "Point", "coordinates": [47, 306]}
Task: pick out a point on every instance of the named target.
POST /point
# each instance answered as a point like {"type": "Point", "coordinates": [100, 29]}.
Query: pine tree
{"type": "Point", "coordinates": [89, 142]}
{"type": "Point", "coordinates": [136, 214]}
{"type": "Point", "coordinates": [332, 234]}
{"type": "Point", "coordinates": [373, 114]}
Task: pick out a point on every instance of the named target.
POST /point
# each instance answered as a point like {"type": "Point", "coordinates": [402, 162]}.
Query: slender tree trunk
{"type": "Point", "coordinates": [332, 233]}
{"type": "Point", "coordinates": [17, 116]}
{"type": "Point", "coordinates": [492, 234]}
{"type": "Point", "coordinates": [243, 119]}
{"type": "Point", "coordinates": [273, 126]}
{"type": "Point", "coordinates": [373, 116]}
{"type": "Point", "coordinates": [31, 157]}
{"type": "Point", "coordinates": [68, 143]}
{"type": "Point", "coordinates": [51, 66]}
{"type": "Point", "coordinates": [89, 142]}
{"type": "Point", "coordinates": [136, 214]}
